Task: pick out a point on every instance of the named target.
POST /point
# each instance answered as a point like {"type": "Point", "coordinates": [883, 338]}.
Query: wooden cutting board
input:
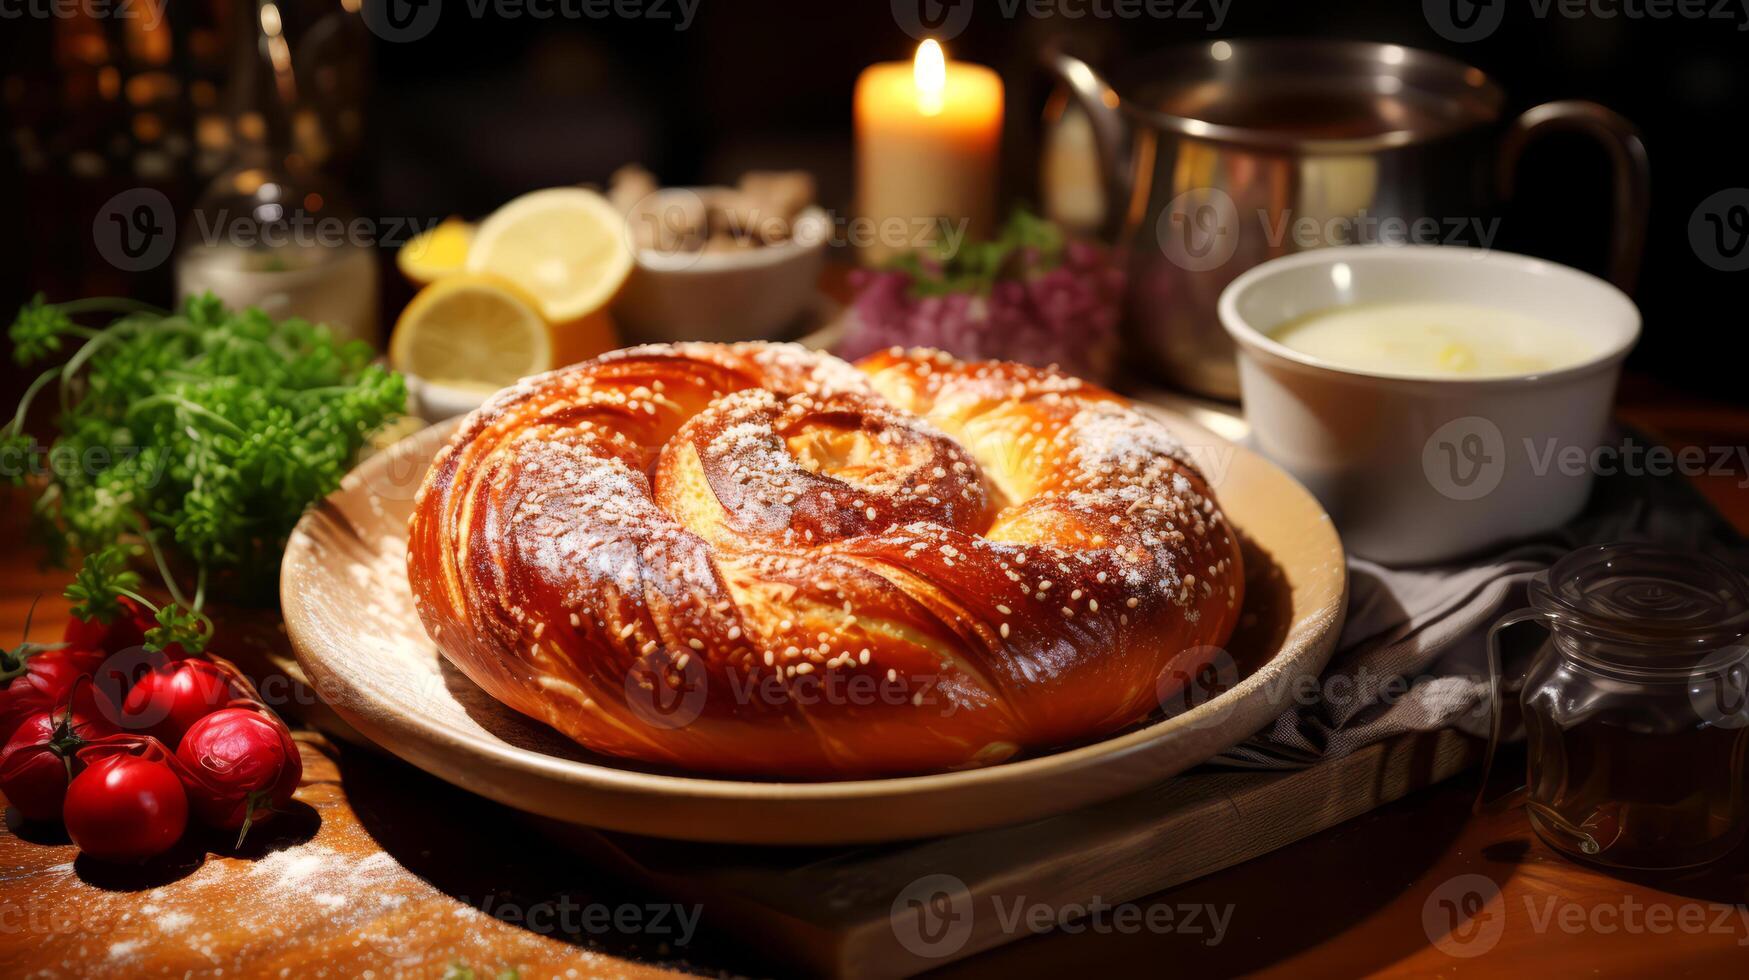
{"type": "Point", "coordinates": [900, 909]}
{"type": "Point", "coordinates": [887, 910]}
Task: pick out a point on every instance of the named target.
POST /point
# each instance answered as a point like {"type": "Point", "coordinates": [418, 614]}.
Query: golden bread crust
{"type": "Point", "coordinates": [755, 559]}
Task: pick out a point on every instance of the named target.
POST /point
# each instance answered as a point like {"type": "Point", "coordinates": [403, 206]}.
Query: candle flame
{"type": "Point", "coordinates": [930, 72]}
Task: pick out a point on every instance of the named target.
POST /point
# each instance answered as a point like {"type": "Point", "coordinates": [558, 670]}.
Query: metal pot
{"type": "Point", "coordinates": [1215, 157]}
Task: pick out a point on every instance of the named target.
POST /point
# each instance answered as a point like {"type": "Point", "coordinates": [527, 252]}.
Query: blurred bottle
{"type": "Point", "coordinates": [107, 105]}
{"type": "Point", "coordinates": [272, 230]}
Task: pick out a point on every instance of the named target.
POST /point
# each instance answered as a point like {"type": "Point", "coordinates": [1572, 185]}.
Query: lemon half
{"type": "Point", "coordinates": [565, 247]}
{"type": "Point", "coordinates": [472, 331]}
{"type": "Point", "coordinates": [436, 252]}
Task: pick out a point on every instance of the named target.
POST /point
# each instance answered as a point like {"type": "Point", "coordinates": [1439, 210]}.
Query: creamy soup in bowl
{"type": "Point", "coordinates": [1418, 391]}
{"type": "Point", "coordinates": [1435, 339]}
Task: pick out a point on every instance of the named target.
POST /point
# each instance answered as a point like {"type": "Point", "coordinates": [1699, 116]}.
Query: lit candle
{"type": "Point", "coordinates": [926, 140]}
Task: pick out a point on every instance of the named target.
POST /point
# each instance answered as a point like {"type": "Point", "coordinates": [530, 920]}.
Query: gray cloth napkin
{"type": "Point", "coordinates": [1412, 654]}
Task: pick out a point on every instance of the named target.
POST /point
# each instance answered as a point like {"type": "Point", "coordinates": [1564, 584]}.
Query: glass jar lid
{"type": "Point", "coordinates": [1644, 606]}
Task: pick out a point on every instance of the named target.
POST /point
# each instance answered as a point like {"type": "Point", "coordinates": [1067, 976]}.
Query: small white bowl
{"type": "Point", "coordinates": [434, 401]}
{"type": "Point", "coordinates": [750, 294]}
{"type": "Point", "coordinates": [1417, 469]}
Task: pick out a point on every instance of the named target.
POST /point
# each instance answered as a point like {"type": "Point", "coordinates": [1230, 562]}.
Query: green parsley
{"type": "Point", "coordinates": [100, 584]}
{"type": "Point", "coordinates": [1026, 244]}
{"type": "Point", "coordinates": [196, 437]}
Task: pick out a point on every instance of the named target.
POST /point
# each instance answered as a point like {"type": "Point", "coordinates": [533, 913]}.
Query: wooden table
{"type": "Point", "coordinates": [380, 868]}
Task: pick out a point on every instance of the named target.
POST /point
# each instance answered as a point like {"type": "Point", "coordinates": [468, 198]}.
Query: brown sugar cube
{"type": "Point", "coordinates": [722, 242]}
{"type": "Point", "coordinates": [769, 229]}
{"type": "Point", "coordinates": [629, 185]}
{"type": "Point", "coordinates": [670, 221]}
{"type": "Point", "coordinates": [745, 216]}
{"type": "Point", "coordinates": [734, 213]}
{"type": "Point", "coordinates": [780, 192]}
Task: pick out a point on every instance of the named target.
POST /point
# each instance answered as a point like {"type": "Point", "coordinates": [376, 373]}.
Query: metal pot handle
{"type": "Point", "coordinates": [1110, 134]}
{"type": "Point", "coordinates": [1627, 155]}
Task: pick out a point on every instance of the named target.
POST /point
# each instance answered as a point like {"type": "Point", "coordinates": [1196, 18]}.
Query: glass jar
{"type": "Point", "coordinates": [1635, 710]}
{"type": "Point", "coordinates": [271, 230]}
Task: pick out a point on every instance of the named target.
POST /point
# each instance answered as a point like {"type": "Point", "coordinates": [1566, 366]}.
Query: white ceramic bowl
{"type": "Point", "coordinates": [434, 401]}
{"type": "Point", "coordinates": [752, 294]}
{"type": "Point", "coordinates": [1417, 469]}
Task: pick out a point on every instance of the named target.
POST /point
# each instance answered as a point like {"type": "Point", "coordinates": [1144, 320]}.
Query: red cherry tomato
{"type": "Point", "coordinates": [239, 765]}
{"type": "Point", "coordinates": [127, 629]}
{"type": "Point", "coordinates": [166, 701]}
{"type": "Point", "coordinates": [128, 804]}
{"type": "Point", "coordinates": [39, 759]}
{"type": "Point", "coordinates": [38, 679]}
{"type": "Point", "coordinates": [122, 642]}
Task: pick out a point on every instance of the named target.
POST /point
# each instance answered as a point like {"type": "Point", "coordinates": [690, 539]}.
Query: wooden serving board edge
{"type": "Point", "coordinates": [832, 911]}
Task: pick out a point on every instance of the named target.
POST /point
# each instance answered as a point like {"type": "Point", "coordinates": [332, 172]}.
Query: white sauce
{"type": "Point", "coordinates": [1435, 339]}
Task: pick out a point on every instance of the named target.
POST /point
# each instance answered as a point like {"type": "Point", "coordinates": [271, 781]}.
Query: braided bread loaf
{"type": "Point", "coordinates": [759, 560]}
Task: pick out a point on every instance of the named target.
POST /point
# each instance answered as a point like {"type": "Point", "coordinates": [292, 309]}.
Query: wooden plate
{"type": "Point", "coordinates": [350, 617]}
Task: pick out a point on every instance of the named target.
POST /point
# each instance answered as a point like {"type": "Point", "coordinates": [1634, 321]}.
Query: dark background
{"type": "Point", "coordinates": [483, 109]}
